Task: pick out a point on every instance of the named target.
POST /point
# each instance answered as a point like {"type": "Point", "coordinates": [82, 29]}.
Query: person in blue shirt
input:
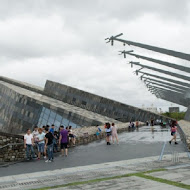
{"type": "Point", "coordinates": [98, 131]}
{"type": "Point", "coordinates": [52, 129]}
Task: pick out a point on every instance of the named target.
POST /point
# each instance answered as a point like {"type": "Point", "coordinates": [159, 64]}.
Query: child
{"type": "Point", "coordinates": [98, 131]}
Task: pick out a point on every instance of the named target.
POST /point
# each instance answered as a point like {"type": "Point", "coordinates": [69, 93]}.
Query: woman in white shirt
{"type": "Point", "coordinates": [28, 144]}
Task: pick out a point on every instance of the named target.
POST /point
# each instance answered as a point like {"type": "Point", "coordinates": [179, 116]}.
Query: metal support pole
{"type": "Point", "coordinates": [168, 64]}
{"type": "Point", "coordinates": [162, 71]}
{"type": "Point", "coordinates": [165, 51]}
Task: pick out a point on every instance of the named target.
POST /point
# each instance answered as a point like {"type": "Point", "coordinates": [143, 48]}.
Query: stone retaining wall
{"type": "Point", "coordinates": [83, 138]}
{"type": "Point", "coordinates": [11, 147]}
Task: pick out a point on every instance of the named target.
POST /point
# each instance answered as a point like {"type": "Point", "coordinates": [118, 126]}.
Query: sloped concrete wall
{"type": "Point", "coordinates": [17, 112]}
{"type": "Point", "coordinates": [98, 104]}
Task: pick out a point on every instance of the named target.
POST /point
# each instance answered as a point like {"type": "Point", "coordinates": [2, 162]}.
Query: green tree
{"type": "Point", "coordinates": [175, 115]}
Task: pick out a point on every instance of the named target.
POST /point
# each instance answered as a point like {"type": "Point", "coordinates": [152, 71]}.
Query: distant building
{"type": "Point", "coordinates": [173, 109]}
{"type": "Point", "coordinates": [151, 109]}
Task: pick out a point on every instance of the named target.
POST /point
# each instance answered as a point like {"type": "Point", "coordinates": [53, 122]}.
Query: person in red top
{"type": "Point", "coordinates": [173, 132]}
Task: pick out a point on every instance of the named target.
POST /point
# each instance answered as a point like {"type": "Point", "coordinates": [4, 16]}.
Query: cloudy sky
{"type": "Point", "coordinates": [63, 41]}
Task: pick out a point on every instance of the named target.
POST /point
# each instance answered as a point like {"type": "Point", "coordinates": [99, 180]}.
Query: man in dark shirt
{"type": "Point", "coordinates": [63, 140]}
{"type": "Point", "coordinates": [49, 145]}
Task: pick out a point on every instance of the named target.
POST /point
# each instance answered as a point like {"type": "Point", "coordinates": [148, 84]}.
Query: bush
{"type": "Point", "coordinates": [175, 115]}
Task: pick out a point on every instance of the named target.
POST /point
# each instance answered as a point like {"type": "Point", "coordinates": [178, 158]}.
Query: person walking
{"type": "Point", "coordinates": [63, 141]}
{"type": "Point", "coordinates": [41, 143]}
{"type": "Point", "coordinates": [49, 145]}
{"type": "Point", "coordinates": [108, 133]}
{"type": "Point", "coordinates": [71, 135]}
{"type": "Point", "coordinates": [131, 125]}
{"type": "Point", "coordinates": [58, 135]}
{"type": "Point", "coordinates": [28, 144]}
{"type": "Point", "coordinates": [52, 129]}
{"type": "Point", "coordinates": [98, 131]}
{"type": "Point", "coordinates": [45, 148]}
{"type": "Point", "coordinates": [43, 129]}
{"type": "Point", "coordinates": [173, 133]}
{"type": "Point", "coordinates": [114, 133]}
{"type": "Point", "coordinates": [68, 140]}
{"type": "Point", "coordinates": [55, 141]}
{"type": "Point", "coordinates": [152, 122]}
{"type": "Point", "coordinates": [35, 134]}
{"type": "Point", "coordinates": [137, 124]}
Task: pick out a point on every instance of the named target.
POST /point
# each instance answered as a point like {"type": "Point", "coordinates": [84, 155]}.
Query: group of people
{"type": "Point", "coordinates": [46, 139]}
{"type": "Point", "coordinates": [132, 125]}
{"type": "Point", "coordinates": [111, 132]}
{"type": "Point", "coordinates": [150, 123]}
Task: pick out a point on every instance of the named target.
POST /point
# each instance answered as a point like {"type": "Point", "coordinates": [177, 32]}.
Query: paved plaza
{"type": "Point", "coordinates": [132, 183]}
{"type": "Point", "coordinates": [113, 175]}
{"type": "Point", "coordinates": [138, 151]}
{"type": "Point", "coordinates": [146, 142]}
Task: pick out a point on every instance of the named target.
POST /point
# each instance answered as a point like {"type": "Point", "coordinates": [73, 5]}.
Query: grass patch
{"type": "Point", "coordinates": [177, 184]}
{"type": "Point", "coordinates": [139, 174]}
{"type": "Point", "coordinates": [86, 182]}
{"type": "Point", "coordinates": [156, 170]}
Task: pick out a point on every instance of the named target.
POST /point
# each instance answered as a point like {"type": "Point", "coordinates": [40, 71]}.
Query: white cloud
{"type": "Point", "coordinates": [64, 41]}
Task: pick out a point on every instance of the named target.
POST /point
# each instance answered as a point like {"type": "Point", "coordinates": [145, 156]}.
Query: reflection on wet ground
{"type": "Point", "coordinates": [147, 141]}
{"type": "Point", "coordinates": [148, 134]}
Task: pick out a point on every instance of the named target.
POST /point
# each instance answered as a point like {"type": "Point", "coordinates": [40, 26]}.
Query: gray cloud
{"type": "Point", "coordinates": [122, 9]}
{"type": "Point", "coordinates": [64, 41]}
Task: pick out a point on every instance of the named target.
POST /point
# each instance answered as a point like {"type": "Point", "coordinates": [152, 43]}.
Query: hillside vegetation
{"type": "Point", "coordinates": [175, 115]}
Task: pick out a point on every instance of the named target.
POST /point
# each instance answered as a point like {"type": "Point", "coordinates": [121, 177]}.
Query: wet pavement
{"type": "Point", "coordinates": [147, 141]}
